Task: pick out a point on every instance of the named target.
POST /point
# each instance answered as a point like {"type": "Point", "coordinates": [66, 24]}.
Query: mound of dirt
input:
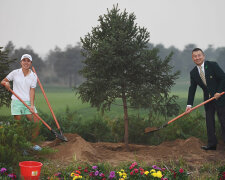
{"type": "Point", "coordinates": [75, 149]}
{"type": "Point", "coordinates": [114, 153]}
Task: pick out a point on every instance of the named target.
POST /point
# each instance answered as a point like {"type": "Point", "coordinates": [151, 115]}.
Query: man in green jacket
{"type": "Point", "coordinates": [211, 78]}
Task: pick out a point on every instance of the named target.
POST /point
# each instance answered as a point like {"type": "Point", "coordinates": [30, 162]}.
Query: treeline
{"type": "Point", "coordinates": [62, 66]}
{"type": "Point", "coordinates": [182, 60]}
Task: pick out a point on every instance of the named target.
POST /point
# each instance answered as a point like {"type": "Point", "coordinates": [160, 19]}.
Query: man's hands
{"type": "Point", "coordinates": [188, 109]}
{"type": "Point", "coordinates": [217, 96]}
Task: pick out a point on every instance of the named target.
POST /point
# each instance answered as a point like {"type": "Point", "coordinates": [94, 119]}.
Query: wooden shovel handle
{"type": "Point", "coordinates": [42, 89]}
{"type": "Point", "coordinates": [35, 114]}
{"type": "Point", "coordinates": [203, 103]}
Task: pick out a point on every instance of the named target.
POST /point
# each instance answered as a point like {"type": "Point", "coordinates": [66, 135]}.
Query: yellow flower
{"type": "Point", "coordinates": [152, 171]}
{"type": "Point", "coordinates": [77, 177]}
{"type": "Point", "coordinates": [122, 174]}
{"type": "Point", "coordinates": [146, 172]}
{"type": "Point", "coordinates": [121, 179]}
{"type": "Point", "coordinates": [159, 174]}
{"type": "Point", "coordinates": [72, 174]}
{"type": "Point", "coordinates": [154, 174]}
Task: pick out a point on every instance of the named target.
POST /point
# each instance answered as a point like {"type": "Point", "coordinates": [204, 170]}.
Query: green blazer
{"type": "Point", "coordinates": [215, 80]}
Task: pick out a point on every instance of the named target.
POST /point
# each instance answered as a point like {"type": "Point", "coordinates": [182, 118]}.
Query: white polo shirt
{"type": "Point", "coordinates": [22, 84]}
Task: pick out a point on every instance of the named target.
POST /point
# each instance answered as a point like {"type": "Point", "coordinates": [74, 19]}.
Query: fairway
{"type": "Point", "coordinates": [62, 98]}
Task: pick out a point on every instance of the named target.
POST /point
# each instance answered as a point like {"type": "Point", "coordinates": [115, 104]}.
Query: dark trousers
{"type": "Point", "coordinates": [210, 122]}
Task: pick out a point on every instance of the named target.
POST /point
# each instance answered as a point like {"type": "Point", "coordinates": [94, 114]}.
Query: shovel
{"type": "Point", "coordinates": [53, 115]}
{"type": "Point", "coordinates": [59, 136]}
{"type": "Point", "coordinates": [152, 129]}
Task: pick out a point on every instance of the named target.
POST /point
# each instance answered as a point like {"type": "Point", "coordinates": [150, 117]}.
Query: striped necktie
{"type": "Point", "coordinates": [202, 75]}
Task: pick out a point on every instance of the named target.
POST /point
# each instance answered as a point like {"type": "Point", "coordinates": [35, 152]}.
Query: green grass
{"type": "Point", "coordinates": [61, 98]}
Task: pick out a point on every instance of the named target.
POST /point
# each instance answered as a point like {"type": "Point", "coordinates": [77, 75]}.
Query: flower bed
{"type": "Point", "coordinates": [134, 171]}
{"type": "Point", "coordinates": [5, 175]}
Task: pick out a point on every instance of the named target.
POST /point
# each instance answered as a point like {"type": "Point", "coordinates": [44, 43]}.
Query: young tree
{"type": "Point", "coordinates": [118, 64]}
{"type": "Point", "coordinates": [5, 96]}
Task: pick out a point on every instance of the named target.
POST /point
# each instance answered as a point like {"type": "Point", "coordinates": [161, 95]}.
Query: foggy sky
{"type": "Point", "coordinates": [43, 24]}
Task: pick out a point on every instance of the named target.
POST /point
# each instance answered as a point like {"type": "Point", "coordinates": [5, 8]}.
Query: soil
{"type": "Point", "coordinates": [115, 153]}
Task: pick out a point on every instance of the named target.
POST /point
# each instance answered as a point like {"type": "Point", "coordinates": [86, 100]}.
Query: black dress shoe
{"type": "Point", "coordinates": [209, 147]}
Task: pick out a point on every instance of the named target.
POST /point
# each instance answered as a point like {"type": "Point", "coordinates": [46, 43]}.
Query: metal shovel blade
{"type": "Point", "coordinates": [150, 129]}
{"type": "Point", "coordinates": [59, 136]}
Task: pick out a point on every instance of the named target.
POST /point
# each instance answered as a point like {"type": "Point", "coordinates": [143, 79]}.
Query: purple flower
{"type": "Point", "coordinates": [3, 170]}
{"type": "Point", "coordinates": [156, 167]}
{"type": "Point", "coordinates": [94, 167]}
{"type": "Point", "coordinates": [102, 175]}
{"type": "Point", "coordinates": [96, 173]}
{"type": "Point", "coordinates": [112, 175]}
{"type": "Point", "coordinates": [13, 176]}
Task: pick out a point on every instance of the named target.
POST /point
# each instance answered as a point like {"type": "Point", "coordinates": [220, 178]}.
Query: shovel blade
{"type": "Point", "coordinates": [59, 136]}
{"type": "Point", "coordinates": [150, 129]}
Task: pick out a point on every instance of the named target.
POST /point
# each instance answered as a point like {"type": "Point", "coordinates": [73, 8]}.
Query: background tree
{"type": "Point", "coordinates": [66, 64]}
{"type": "Point", "coordinates": [210, 53]}
{"type": "Point", "coordinates": [37, 61]}
{"type": "Point", "coordinates": [10, 48]}
{"type": "Point", "coordinates": [50, 72]}
{"type": "Point", "coordinates": [5, 96]}
{"type": "Point", "coordinates": [221, 57]}
{"type": "Point", "coordinates": [119, 64]}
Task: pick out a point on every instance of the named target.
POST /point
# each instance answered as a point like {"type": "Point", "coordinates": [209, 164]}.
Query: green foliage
{"type": "Point", "coordinates": [118, 62]}
{"type": "Point", "coordinates": [4, 70]}
{"type": "Point", "coordinates": [15, 138]}
{"type": "Point", "coordinates": [177, 173]}
{"type": "Point", "coordinates": [186, 127]}
{"type": "Point", "coordinates": [221, 173]}
{"type": "Point", "coordinates": [94, 129]}
{"type": "Point", "coordinates": [107, 129]}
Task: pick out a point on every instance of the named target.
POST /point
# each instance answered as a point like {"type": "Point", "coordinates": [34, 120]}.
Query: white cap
{"type": "Point", "coordinates": [26, 56]}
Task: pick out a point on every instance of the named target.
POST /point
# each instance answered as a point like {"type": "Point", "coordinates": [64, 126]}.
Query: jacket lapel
{"type": "Point", "coordinates": [196, 74]}
{"type": "Point", "coordinates": [206, 71]}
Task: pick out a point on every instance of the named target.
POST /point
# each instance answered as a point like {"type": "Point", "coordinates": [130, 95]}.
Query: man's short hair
{"type": "Point", "coordinates": [197, 49]}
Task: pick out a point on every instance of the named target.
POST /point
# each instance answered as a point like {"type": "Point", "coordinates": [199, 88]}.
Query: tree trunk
{"type": "Point", "coordinates": [126, 135]}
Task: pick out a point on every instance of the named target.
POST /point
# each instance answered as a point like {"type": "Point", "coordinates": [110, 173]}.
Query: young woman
{"type": "Point", "coordinates": [24, 84]}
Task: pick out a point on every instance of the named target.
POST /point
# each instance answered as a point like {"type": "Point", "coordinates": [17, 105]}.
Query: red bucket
{"type": "Point", "coordinates": [30, 170]}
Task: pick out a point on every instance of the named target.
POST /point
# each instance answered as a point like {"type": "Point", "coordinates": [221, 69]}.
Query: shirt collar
{"type": "Point", "coordinates": [202, 66]}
